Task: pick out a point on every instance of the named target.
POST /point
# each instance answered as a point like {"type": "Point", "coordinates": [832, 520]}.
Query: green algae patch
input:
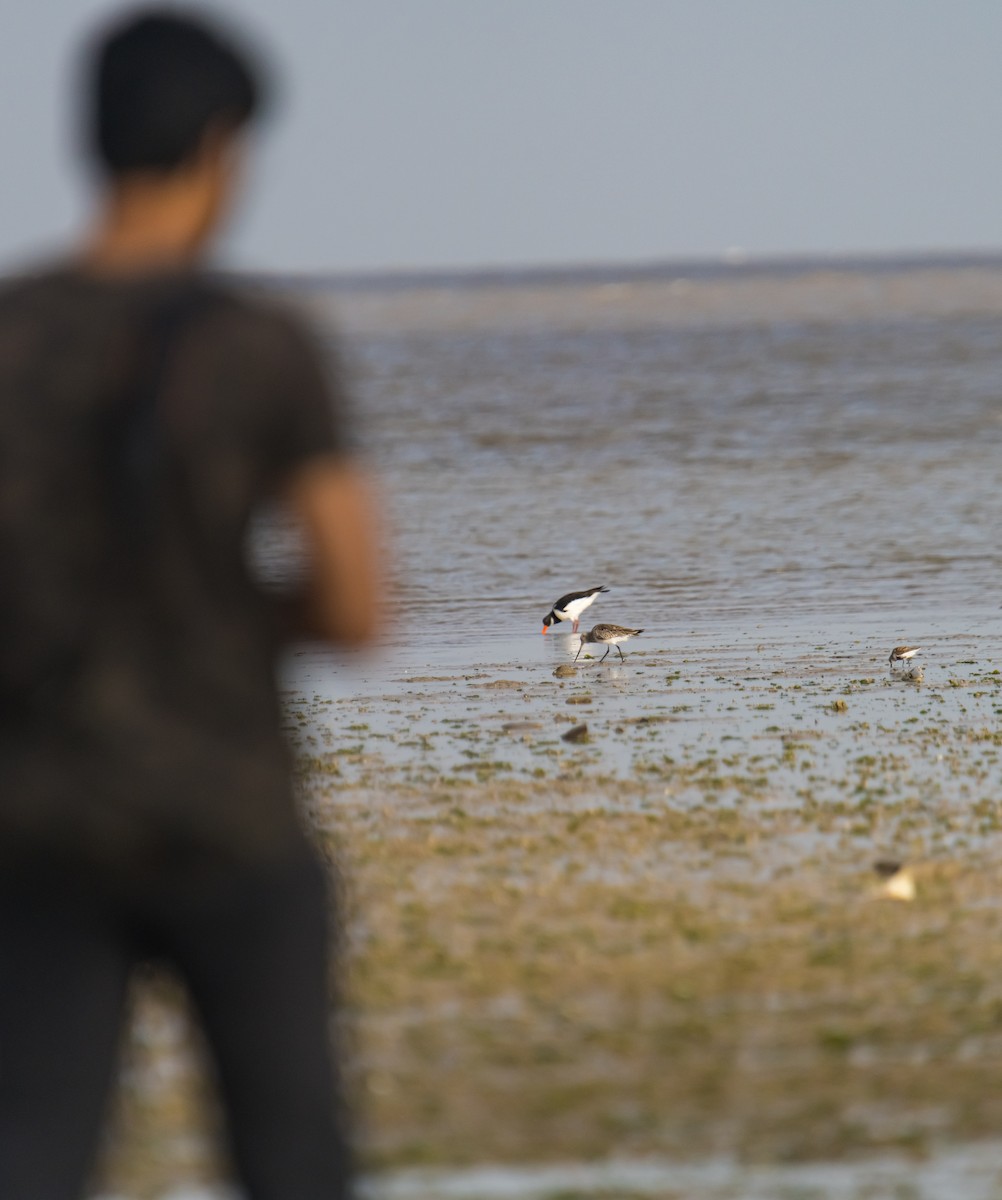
{"type": "Point", "coordinates": [533, 967]}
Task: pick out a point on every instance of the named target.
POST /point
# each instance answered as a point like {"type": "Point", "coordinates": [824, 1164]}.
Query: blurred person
{"type": "Point", "coordinates": [147, 411]}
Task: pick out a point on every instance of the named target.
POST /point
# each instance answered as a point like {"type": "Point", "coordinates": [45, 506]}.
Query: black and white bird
{"type": "Point", "coordinates": [901, 654]}
{"type": "Point", "coordinates": [570, 608]}
{"type": "Point", "coordinates": [608, 636]}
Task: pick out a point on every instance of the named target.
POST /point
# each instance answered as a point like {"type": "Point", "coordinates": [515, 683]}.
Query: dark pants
{"type": "Point", "coordinates": [252, 948]}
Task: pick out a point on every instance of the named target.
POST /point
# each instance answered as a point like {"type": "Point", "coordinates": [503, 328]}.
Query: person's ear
{"type": "Point", "coordinates": [221, 150]}
{"type": "Point", "coordinates": [215, 171]}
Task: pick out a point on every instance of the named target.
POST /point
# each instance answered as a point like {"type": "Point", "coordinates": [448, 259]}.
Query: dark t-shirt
{"type": "Point", "coordinates": [139, 718]}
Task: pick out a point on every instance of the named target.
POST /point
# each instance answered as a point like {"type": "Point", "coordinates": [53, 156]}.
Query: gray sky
{"type": "Point", "coordinates": [469, 132]}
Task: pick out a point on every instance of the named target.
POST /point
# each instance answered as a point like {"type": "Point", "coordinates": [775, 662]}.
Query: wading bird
{"type": "Point", "coordinates": [608, 636]}
{"type": "Point", "coordinates": [570, 608]}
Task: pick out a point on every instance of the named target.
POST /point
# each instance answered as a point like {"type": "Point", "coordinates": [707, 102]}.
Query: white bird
{"type": "Point", "coordinates": [899, 882]}
{"type": "Point", "coordinates": [570, 608]}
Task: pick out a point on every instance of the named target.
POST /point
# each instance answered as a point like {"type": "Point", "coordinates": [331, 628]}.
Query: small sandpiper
{"type": "Point", "coordinates": [901, 654]}
{"type": "Point", "coordinates": [570, 608]}
{"type": "Point", "coordinates": [608, 636]}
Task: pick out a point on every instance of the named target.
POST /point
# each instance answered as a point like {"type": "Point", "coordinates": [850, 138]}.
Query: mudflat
{"type": "Point", "coordinates": [668, 940]}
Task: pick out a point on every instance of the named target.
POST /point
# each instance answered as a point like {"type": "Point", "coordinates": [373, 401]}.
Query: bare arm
{"type": "Point", "coordinates": [333, 501]}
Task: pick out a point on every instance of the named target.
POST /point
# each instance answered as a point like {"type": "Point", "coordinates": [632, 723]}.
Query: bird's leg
{"type": "Point", "coordinates": [605, 655]}
{"type": "Point", "coordinates": [621, 658]}
{"type": "Point", "coordinates": [574, 627]}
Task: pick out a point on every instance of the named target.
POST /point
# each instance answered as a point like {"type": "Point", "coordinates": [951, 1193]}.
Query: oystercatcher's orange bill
{"type": "Point", "coordinates": [546, 629]}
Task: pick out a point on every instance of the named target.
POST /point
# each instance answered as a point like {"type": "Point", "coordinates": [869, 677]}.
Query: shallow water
{"type": "Point", "coordinates": [702, 469]}
{"type": "Point", "coordinates": [775, 501]}
{"type": "Point", "coordinates": [968, 1173]}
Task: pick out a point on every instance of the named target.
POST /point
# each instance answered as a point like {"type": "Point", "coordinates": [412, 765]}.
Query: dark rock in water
{"type": "Point", "coordinates": [576, 733]}
{"type": "Point", "coordinates": [565, 671]}
{"type": "Point", "coordinates": [579, 699]}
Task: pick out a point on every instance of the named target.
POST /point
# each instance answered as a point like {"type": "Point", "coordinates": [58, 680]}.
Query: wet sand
{"type": "Point", "coordinates": [665, 944]}
{"type": "Point", "coordinates": [669, 939]}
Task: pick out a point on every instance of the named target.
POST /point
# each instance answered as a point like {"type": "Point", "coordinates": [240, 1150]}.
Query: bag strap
{"type": "Point", "coordinates": [138, 436]}
{"type": "Point", "coordinates": [132, 441]}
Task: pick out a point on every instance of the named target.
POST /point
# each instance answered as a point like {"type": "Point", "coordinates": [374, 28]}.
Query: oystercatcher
{"type": "Point", "coordinates": [608, 636]}
{"type": "Point", "coordinates": [570, 608]}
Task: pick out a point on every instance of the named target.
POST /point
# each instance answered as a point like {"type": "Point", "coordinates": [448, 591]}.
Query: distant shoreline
{"type": "Point", "coordinates": [724, 267]}
{"type": "Point", "coordinates": [820, 291]}
{"type": "Point", "coordinates": [728, 267]}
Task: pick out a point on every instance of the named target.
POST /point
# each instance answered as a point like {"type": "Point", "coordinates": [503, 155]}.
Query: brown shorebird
{"type": "Point", "coordinates": [902, 654]}
{"type": "Point", "coordinates": [608, 636]}
{"type": "Point", "coordinates": [570, 608]}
